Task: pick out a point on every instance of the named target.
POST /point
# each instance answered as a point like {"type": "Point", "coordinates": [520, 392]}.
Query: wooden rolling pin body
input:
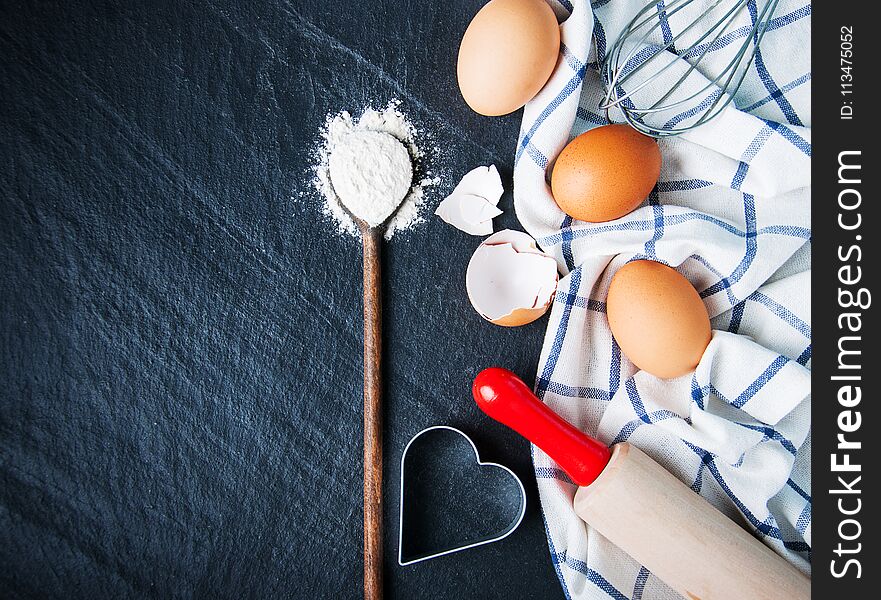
{"type": "Point", "coordinates": [682, 539]}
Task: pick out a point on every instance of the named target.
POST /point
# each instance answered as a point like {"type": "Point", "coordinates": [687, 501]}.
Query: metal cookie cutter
{"type": "Point", "coordinates": [452, 501]}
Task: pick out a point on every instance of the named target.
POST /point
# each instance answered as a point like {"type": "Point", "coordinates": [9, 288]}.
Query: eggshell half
{"type": "Point", "coordinates": [657, 318]}
{"type": "Point", "coordinates": [511, 282]}
{"type": "Point", "coordinates": [507, 55]}
{"type": "Point", "coordinates": [605, 173]}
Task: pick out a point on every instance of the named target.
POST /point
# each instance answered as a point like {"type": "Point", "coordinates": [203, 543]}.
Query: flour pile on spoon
{"type": "Point", "coordinates": [371, 174]}
{"type": "Point", "coordinates": [347, 144]}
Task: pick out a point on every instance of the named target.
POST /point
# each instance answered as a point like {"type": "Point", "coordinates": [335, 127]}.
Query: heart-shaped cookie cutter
{"type": "Point", "coordinates": [438, 438]}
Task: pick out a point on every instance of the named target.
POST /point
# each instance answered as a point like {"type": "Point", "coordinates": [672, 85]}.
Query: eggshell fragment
{"type": "Point", "coordinates": [471, 206]}
{"type": "Point", "coordinates": [481, 181]}
{"type": "Point", "coordinates": [511, 282]}
{"type": "Point", "coordinates": [657, 318]}
{"type": "Point", "coordinates": [469, 213]}
{"type": "Point", "coordinates": [507, 55]}
{"type": "Point", "coordinates": [605, 173]}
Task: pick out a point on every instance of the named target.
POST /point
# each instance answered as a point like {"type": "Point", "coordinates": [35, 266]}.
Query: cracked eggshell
{"type": "Point", "coordinates": [481, 181]}
{"type": "Point", "coordinates": [511, 282]}
{"type": "Point", "coordinates": [469, 213]}
{"type": "Point", "coordinates": [472, 205]}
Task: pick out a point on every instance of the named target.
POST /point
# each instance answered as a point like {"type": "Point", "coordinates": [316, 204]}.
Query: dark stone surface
{"type": "Point", "coordinates": [181, 334]}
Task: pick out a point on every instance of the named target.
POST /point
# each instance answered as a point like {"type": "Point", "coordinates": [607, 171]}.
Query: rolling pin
{"type": "Point", "coordinates": [642, 508]}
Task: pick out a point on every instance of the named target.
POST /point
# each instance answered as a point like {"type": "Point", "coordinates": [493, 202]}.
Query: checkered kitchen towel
{"type": "Point", "coordinates": [731, 212]}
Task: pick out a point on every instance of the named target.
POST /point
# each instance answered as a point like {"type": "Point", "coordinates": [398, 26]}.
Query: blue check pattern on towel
{"type": "Point", "coordinates": [731, 212]}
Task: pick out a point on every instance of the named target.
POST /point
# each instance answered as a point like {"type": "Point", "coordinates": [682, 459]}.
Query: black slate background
{"type": "Point", "coordinates": [180, 360]}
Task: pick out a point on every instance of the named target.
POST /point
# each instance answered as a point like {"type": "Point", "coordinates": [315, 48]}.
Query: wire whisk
{"type": "Point", "coordinates": [666, 84]}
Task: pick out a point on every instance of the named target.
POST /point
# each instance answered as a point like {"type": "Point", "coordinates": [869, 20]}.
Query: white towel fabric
{"type": "Point", "coordinates": [731, 212]}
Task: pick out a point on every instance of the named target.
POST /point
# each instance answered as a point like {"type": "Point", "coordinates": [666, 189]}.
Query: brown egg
{"type": "Point", "coordinates": [507, 55]}
{"type": "Point", "coordinates": [658, 318]}
{"type": "Point", "coordinates": [605, 173]}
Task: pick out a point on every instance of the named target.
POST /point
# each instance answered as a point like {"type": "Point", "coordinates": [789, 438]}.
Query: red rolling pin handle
{"type": "Point", "coordinates": [507, 399]}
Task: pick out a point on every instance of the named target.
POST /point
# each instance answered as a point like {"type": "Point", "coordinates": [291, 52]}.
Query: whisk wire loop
{"type": "Point", "coordinates": [692, 97]}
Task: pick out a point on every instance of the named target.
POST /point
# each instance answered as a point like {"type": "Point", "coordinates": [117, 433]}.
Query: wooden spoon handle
{"type": "Point", "coordinates": [372, 239]}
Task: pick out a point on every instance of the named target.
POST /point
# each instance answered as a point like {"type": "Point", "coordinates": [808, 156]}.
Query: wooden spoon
{"type": "Point", "coordinates": [366, 217]}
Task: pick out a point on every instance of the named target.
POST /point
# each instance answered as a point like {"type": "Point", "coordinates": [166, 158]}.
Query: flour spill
{"type": "Point", "coordinates": [390, 120]}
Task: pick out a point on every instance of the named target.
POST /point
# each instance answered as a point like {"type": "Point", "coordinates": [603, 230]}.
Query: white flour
{"type": "Point", "coordinates": [337, 130]}
{"type": "Point", "coordinates": [371, 174]}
